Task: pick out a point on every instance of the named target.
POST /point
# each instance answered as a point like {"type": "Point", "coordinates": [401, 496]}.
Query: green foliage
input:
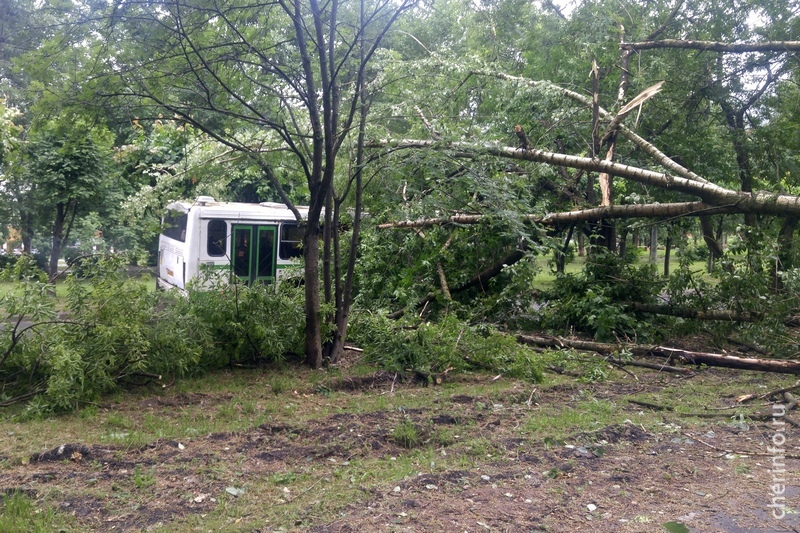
{"type": "Point", "coordinates": [247, 324]}
{"type": "Point", "coordinates": [515, 298]}
{"type": "Point", "coordinates": [450, 344]}
{"type": "Point", "coordinates": [113, 332]}
{"type": "Point", "coordinates": [108, 336]}
{"type": "Point", "coordinates": [593, 301]}
{"type": "Point", "coordinates": [143, 479]}
{"type": "Point", "coordinates": [591, 369]}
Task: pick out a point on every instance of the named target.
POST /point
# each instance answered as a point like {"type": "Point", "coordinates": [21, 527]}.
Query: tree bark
{"type": "Point", "coordinates": [653, 243]}
{"type": "Point", "coordinates": [712, 46]}
{"type": "Point", "coordinates": [570, 217]}
{"type": "Point", "coordinates": [623, 242]}
{"type": "Point", "coordinates": [26, 230]}
{"type": "Point", "coordinates": [708, 314]}
{"type": "Point", "coordinates": [561, 255]}
{"type": "Point", "coordinates": [714, 249]}
{"type": "Point", "coordinates": [58, 234]}
{"type": "Point", "coordinates": [786, 252]}
{"type": "Point", "coordinates": [784, 366]}
{"type": "Point", "coordinates": [756, 202]}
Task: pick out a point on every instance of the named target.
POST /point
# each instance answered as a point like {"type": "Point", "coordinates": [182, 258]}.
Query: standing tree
{"type": "Point", "coordinates": [65, 173]}
{"type": "Point", "coordinates": [283, 83]}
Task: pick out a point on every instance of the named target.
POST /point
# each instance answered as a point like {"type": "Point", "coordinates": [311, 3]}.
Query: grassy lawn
{"type": "Point", "coordinates": [289, 448]}
{"type": "Point", "coordinates": [11, 288]}
{"type": "Point", "coordinates": [547, 276]}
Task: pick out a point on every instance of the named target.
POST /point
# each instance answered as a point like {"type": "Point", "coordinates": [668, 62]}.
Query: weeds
{"type": "Point", "coordinates": [406, 434]}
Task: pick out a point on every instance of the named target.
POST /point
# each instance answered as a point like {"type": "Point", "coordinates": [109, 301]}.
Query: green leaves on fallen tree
{"type": "Point", "coordinates": [113, 332]}
{"type": "Point", "coordinates": [109, 334]}
{"type": "Point", "coordinates": [449, 345]}
{"type": "Point", "coordinates": [593, 301]}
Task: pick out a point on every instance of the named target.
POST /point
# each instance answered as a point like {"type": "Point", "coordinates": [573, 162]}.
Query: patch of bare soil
{"type": "Point", "coordinates": [715, 477]}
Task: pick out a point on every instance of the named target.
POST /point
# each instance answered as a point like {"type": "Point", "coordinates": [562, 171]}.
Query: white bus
{"type": "Point", "coordinates": [249, 242]}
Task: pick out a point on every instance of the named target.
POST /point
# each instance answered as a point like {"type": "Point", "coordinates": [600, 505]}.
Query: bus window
{"type": "Point", "coordinates": [266, 253]}
{"type": "Point", "coordinates": [217, 235]}
{"type": "Point", "coordinates": [291, 241]}
{"type": "Point", "coordinates": [175, 225]}
{"type": "Point", "coordinates": [241, 251]}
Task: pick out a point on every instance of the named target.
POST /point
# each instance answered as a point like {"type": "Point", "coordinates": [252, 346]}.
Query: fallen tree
{"type": "Point", "coordinates": [712, 46]}
{"type": "Point", "coordinates": [478, 280]}
{"type": "Point", "coordinates": [785, 366]}
{"type": "Point", "coordinates": [665, 210]}
{"type": "Point", "coordinates": [763, 203]}
{"type": "Point", "coordinates": [706, 314]}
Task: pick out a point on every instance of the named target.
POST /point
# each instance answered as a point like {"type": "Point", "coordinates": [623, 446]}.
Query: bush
{"type": "Point", "coordinates": [118, 333]}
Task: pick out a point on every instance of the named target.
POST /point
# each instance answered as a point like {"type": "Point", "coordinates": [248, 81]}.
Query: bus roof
{"type": "Point", "coordinates": [210, 208]}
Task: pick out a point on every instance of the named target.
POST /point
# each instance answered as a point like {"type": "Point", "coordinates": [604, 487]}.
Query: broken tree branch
{"type": "Point", "coordinates": [669, 210]}
{"type": "Point", "coordinates": [478, 280]}
{"type": "Point", "coordinates": [697, 314]}
{"type": "Point", "coordinates": [712, 46]}
{"type": "Point", "coordinates": [748, 397]}
{"type": "Point", "coordinates": [658, 156]}
{"type": "Point", "coordinates": [785, 366]}
{"type": "Point", "coordinates": [756, 202]}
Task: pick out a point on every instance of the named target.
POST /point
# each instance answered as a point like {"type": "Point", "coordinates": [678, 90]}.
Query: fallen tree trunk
{"type": "Point", "coordinates": [713, 46]}
{"type": "Point", "coordinates": [666, 210]}
{"type": "Point", "coordinates": [785, 366]}
{"type": "Point", "coordinates": [710, 314]}
{"type": "Point", "coordinates": [697, 314]}
{"type": "Point", "coordinates": [600, 347]}
{"type": "Point", "coordinates": [744, 202]}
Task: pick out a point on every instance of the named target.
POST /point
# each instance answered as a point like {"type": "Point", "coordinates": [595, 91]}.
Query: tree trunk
{"type": "Point", "coordinates": [719, 197]}
{"type": "Point", "coordinates": [58, 234]}
{"type": "Point", "coordinates": [608, 229]}
{"type": "Point", "coordinates": [327, 252]}
{"type": "Point", "coordinates": [313, 318]}
{"type": "Point", "coordinates": [346, 298]}
{"type": "Point", "coordinates": [561, 255]}
{"type": "Point", "coordinates": [581, 244]}
{"type": "Point", "coordinates": [26, 230]}
{"type": "Point", "coordinates": [786, 252]}
{"type": "Point", "coordinates": [667, 251]}
{"type": "Point", "coordinates": [696, 358]}
{"type": "Point", "coordinates": [653, 243]}
{"type": "Point", "coordinates": [714, 249]}
{"type": "Point", "coordinates": [623, 242]}
{"type": "Point", "coordinates": [736, 48]}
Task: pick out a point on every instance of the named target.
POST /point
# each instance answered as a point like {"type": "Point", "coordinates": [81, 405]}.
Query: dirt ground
{"type": "Point", "coordinates": [711, 476]}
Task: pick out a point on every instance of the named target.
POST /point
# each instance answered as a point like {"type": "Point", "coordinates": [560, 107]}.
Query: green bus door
{"type": "Point", "coordinates": [253, 253]}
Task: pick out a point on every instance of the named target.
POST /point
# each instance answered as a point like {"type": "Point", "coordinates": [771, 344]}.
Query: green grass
{"type": "Point", "coordinates": [306, 493]}
{"type": "Point", "coordinates": [20, 514]}
{"type": "Point", "coordinates": [546, 277]}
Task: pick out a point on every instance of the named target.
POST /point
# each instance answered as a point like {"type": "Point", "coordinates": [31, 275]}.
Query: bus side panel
{"type": "Point", "coordinates": [171, 262]}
